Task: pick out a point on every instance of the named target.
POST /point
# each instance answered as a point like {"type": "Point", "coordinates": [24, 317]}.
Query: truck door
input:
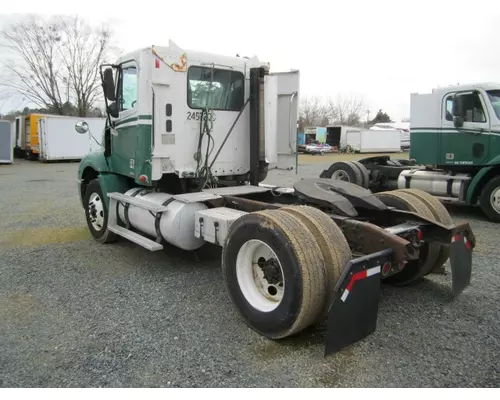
{"type": "Point", "coordinates": [467, 145]}
{"type": "Point", "coordinates": [281, 116]}
{"type": "Point", "coordinates": [125, 133]}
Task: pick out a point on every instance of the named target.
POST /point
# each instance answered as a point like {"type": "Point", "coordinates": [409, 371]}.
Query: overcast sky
{"type": "Point", "coordinates": [381, 50]}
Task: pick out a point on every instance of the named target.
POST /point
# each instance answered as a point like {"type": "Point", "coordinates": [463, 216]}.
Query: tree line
{"type": "Point", "coordinates": [53, 64]}
{"type": "Point", "coordinates": [342, 110]}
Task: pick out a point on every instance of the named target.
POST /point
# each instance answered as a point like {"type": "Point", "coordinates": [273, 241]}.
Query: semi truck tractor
{"type": "Point", "coordinates": [188, 142]}
{"type": "Point", "coordinates": [455, 150]}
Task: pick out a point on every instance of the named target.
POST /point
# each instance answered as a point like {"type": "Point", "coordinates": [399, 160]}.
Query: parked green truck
{"type": "Point", "coordinates": [455, 150]}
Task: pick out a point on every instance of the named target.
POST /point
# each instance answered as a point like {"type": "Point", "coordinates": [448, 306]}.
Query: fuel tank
{"type": "Point", "coordinates": [437, 183]}
{"type": "Point", "coordinates": [176, 225]}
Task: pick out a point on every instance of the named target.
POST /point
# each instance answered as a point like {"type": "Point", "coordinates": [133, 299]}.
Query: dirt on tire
{"type": "Point", "coordinates": [331, 240]}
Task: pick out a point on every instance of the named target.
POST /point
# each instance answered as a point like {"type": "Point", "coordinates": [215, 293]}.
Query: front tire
{"type": "Point", "coordinates": [274, 272]}
{"type": "Point", "coordinates": [489, 200]}
{"type": "Point", "coordinates": [96, 213]}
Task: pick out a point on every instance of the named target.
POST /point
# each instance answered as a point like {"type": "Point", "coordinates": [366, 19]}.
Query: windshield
{"type": "Point", "coordinates": [494, 96]}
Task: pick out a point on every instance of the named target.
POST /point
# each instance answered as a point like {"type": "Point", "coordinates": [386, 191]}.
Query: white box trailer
{"type": "Point", "coordinates": [403, 127]}
{"type": "Point", "coordinates": [371, 141]}
{"type": "Point", "coordinates": [60, 141]}
{"type": "Point", "coordinates": [6, 142]}
{"type": "Point", "coordinates": [387, 141]}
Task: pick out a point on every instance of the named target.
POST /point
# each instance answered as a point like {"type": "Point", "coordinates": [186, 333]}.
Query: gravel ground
{"type": "Point", "coordinates": [77, 314]}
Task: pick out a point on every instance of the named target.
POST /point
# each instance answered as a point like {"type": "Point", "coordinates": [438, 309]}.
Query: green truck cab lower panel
{"type": "Point", "coordinates": [94, 166]}
{"type": "Point", "coordinates": [113, 183]}
{"type": "Point", "coordinates": [92, 161]}
{"type": "Point", "coordinates": [481, 178]}
{"type": "Point", "coordinates": [424, 146]}
{"type": "Point", "coordinates": [131, 149]}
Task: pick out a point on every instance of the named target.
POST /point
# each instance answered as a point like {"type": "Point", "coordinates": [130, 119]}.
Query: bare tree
{"type": "Point", "coordinates": [33, 61]}
{"type": "Point", "coordinates": [345, 110]}
{"type": "Point", "coordinates": [54, 62]}
{"type": "Point", "coordinates": [84, 49]}
{"type": "Point", "coordinates": [312, 111]}
{"type": "Point", "coordinates": [318, 111]}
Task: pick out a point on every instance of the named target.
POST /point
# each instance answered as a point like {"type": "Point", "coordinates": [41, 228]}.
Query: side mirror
{"type": "Point", "coordinates": [82, 127]}
{"type": "Point", "coordinates": [458, 105]}
{"type": "Point", "coordinates": [113, 110]}
{"type": "Point", "coordinates": [108, 84]}
{"type": "Point", "coordinates": [458, 122]}
{"type": "Point", "coordinates": [458, 110]}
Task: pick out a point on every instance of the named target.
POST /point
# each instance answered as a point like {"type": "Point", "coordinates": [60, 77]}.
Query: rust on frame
{"type": "Point", "coordinates": [367, 238]}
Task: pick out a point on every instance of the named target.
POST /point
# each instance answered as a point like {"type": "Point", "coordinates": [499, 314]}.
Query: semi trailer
{"type": "Point", "coordinates": [6, 142]}
{"type": "Point", "coordinates": [188, 142]}
{"type": "Point", "coordinates": [27, 142]}
{"type": "Point", "coordinates": [455, 150]}
{"type": "Point", "coordinates": [59, 141]}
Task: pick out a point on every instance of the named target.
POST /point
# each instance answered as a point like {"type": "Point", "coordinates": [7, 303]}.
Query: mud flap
{"type": "Point", "coordinates": [461, 262]}
{"type": "Point", "coordinates": [354, 310]}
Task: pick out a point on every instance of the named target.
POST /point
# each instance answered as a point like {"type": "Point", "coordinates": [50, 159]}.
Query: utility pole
{"type": "Point", "coordinates": [367, 116]}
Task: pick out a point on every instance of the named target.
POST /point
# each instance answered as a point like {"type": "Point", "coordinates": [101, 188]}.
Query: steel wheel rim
{"type": "Point", "coordinates": [96, 211]}
{"type": "Point", "coordinates": [260, 275]}
{"type": "Point", "coordinates": [495, 200]}
{"type": "Point", "coordinates": [341, 175]}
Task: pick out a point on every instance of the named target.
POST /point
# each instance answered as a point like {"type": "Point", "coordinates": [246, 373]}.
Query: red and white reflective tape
{"type": "Point", "coordinates": [457, 237]}
{"type": "Point", "coordinates": [357, 277]}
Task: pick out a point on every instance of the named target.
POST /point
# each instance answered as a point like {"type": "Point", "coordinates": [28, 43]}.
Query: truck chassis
{"type": "Point", "coordinates": [293, 256]}
{"type": "Point", "coordinates": [466, 185]}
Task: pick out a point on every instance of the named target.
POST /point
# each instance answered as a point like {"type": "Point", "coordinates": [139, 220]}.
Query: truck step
{"type": "Point", "coordinates": [134, 201]}
{"type": "Point", "coordinates": [448, 199]}
{"type": "Point", "coordinates": [124, 232]}
{"type": "Point", "coordinates": [136, 238]}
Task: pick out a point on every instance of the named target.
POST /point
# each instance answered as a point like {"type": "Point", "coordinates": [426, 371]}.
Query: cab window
{"type": "Point", "coordinates": [494, 96]}
{"type": "Point", "coordinates": [128, 88]}
{"type": "Point", "coordinates": [474, 111]}
{"type": "Point", "coordinates": [217, 89]}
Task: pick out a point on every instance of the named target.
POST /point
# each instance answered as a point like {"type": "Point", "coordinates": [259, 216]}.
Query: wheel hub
{"type": "Point", "coordinates": [495, 200]}
{"type": "Point", "coordinates": [96, 211]}
{"type": "Point", "coordinates": [260, 275]}
{"type": "Point", "coordinates": [271, 270]}
{"type": "Point", "coordinates": [341, 175]}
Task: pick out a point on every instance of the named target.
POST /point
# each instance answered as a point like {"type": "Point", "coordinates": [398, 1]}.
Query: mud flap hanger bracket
{"type": "Point", "coordinates": [353, 313]}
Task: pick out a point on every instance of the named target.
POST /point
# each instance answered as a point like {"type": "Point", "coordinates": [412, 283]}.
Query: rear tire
{"type": "Point", "coordinates": [272, 250]}
{"type": "Point", "coordinates": [331, 240]}
{"type": "Point", "coordinates": [415, 269]}
{"type": "Point", "coordinates": [440, 214]}
{"type": "Point", "coordinates": [344, 171]}
{"type": "Point", "coordinates": [96, 213]}
{"type": "Point", "coordinates": [365, 174]}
